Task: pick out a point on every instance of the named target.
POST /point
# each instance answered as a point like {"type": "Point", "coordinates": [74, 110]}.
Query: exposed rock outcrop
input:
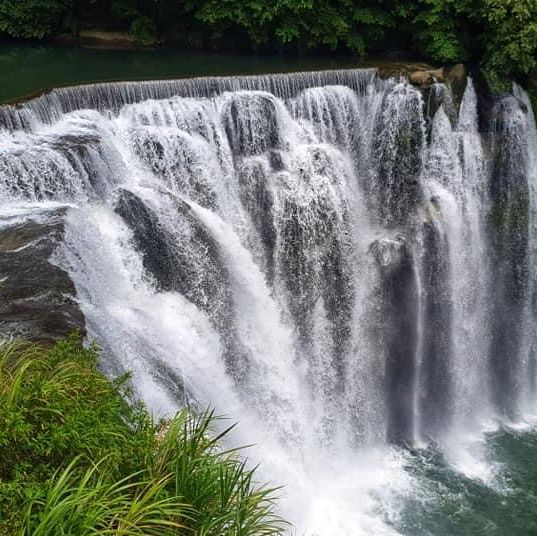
{"type": "Point", "coordinates": [390, 69]}
{"type": "Point", "coordinates": [399, 306]}
{"type": "Point", "coordinates": [36, 298]}
{"type": "Point", "coordinates": [456, 78]}
{"type": "Point", "coordinates": [427, 78]}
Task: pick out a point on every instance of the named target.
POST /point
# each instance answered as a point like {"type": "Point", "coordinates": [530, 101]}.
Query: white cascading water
{"type": "Point", "coordinates": [317, 256]}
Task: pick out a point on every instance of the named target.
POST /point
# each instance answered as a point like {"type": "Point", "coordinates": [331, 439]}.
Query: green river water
{"type": "Point", "coordinates": [503, 503]}
{"type": "Point", "coordinates": [26, 69]}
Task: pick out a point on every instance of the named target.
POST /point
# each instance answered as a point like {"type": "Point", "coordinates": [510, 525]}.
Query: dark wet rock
{"type": "Point", "coordinates": [388, 252]}
{"type": "Point", "coordinates": [338, 296]}
{"type": "Point", "coordinates": [399, 306]}
{"type": "Point", "coordinates": [169, 258]}
{"type": "Point", "coordinates": [485, 99]}
{"type": "Point", "coordinates": [300, 231]}
{"type": "Point", "coordinates": [509, 228]}
{"type": "Point", "coordinates": [398, 144]}
{"type": "Point", "coordinates": [150, 239]}
{"type": "Point", "coordinates": [36, 298]}
{"type": "Point", "coordinates": [257, 198]}
{"type": "Point", "coordinates": [251, 123]}
{"type": "Point", "coordinates": [276, 161]}
{"type": "Point", "coordinates": [436, 391]}
{"type": "Point", "coordinates": [457, 78]}
{"type": "Point", "coordinates": [173, 159]}
{"type": "Point", "coordinates": [188, 262]}
{"type": "Point", "coordinates": [438, 95]}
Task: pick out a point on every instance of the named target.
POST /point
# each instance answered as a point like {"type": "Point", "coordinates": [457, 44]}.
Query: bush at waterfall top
{"type": "Point", "coordinates": [502, 34]}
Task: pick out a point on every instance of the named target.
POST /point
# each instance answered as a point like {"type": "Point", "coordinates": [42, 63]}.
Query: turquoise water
{"type": "Point", "coordinates": [447, 503]}
{"type": "Point", "coordinates": [29, 69]}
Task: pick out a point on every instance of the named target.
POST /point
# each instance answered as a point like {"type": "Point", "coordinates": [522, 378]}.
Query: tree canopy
{"type": "Point", "coordinates": [502, 34]}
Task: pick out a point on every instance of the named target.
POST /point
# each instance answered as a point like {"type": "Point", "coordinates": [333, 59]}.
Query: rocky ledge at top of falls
{"type": "Point", "coordinates": [36, 298]}
{"type": "Point", "coordinates": [423, 76]}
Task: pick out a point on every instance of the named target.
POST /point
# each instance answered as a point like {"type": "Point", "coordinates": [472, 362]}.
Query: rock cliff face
{"type": "Point", "coordinates": [36, 298]}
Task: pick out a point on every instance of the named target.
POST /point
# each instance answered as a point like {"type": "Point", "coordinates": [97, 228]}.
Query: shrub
{"type": "Point", "coordinates": [79, 456]}
{"type": "Point", "coordinates": [32, 18]}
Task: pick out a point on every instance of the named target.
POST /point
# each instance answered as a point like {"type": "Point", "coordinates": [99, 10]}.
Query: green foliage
{"type": "Point", "coordinates": [143, 17]}
{"type": "Point", "coordinates": [79, 456]}
{"type": "Point", "coordinates": [53, 402]}
{"type": "Point", "coordinates": [87, 504]}
{"type": "Point", "coordinates": [54, 406]}
{"type": "Point", "coordinates": [510, 46]}
{"type": "Point", "coordinates": [143, 28]}
{"type": "Point", "coordinates": [216, 484]}
{"type": "Point", "coordinates": [501, 34]}
{"type": "Point", "coordinates": [305, 23]}
{"type": "Point", "coordinates": [32, 18]}
{"type": "Point", "coordinates": [442, 29]}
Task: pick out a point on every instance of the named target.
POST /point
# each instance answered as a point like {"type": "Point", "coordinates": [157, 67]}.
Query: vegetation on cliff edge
{"type": "Point", "coordinates": [78, 456]}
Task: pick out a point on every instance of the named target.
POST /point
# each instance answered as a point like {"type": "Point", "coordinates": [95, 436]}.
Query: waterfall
{"type": "Point", "coordinates": [341, 263]}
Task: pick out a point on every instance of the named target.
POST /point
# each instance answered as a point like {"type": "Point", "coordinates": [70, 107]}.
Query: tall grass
{"type": "Point", "coordinates": [87, 504]}
{"type": "Point", "coordinates": [216, 483]}
{"type": "Point", "coordinates": [79, 457]}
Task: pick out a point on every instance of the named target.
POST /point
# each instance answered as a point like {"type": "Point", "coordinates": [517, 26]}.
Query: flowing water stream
{"type": "Point", "coordinates": [340, 263]}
